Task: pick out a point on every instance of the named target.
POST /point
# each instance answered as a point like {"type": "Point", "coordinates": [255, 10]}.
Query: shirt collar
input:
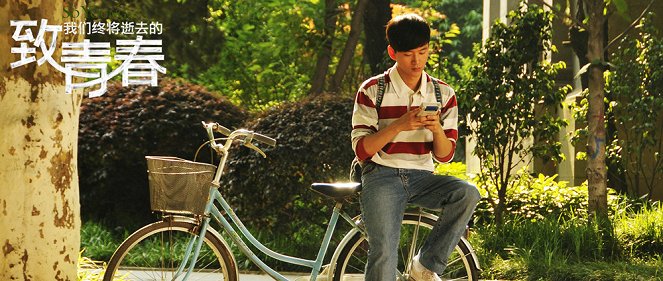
{"type": "Point", "coordinates": [401, 88]}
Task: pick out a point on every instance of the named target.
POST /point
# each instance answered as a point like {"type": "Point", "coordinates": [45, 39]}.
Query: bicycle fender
{"type": "Point", "coordinates": [337, 252]}
{"type": "Point", "coordinates": [474, 254]}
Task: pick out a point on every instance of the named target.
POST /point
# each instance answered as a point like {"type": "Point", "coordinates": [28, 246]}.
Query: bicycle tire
{"type": "Point", "coordinates": [132, 262]}
{"type": "Point", "coordinates": [351, 261]}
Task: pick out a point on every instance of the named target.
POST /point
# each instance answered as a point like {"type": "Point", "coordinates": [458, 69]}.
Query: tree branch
{"type": "Point", "coordinates": [633, 24]}
{"type": "Point", "coordinates": [350, 46]}
{"type": "Point", "coordinates": [325, 52]}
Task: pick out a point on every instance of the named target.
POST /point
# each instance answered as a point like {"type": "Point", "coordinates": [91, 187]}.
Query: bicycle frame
{"type": "Point", "coordinates": [211, 210]}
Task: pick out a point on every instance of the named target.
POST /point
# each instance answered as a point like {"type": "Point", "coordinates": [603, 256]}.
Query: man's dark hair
{"type": "Point", "coordinates": [407, 32]}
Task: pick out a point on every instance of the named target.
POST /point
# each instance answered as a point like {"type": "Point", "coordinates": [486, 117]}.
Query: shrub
{"type": "Point", "coordinates": [531, 197]}
{"type": "Point", "coordinates": [456, 169]}
{"type": "Point", "coordinates": [313, 145]}
{"type": "Point", "coordinates": [534, 198]}
{"type": "Point", "coordinates": [118, 129]}
{"type": "Point", "coordinates": [511, 96]}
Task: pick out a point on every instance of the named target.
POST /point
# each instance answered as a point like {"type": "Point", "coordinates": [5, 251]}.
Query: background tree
{"type": "Point", "coordinates": [350, 46]}
{"type": "Point", "coordinates": [635, 85]}
{"type": "Point", "coordinates": [39, 209]}
{"type": "Point", "coordinates": [256, 53]}
{"type": "Point", "coordinates": [594, 105]}
{"type": "Point", "coordinates": [594, 25]}
{"type": "Point", "coordinates": [596, 129]}
{"type": "Point", "coordinates": [378, 13]}
{"type": "Point", "coordinates": [269, 52]}
{"type": "Point", "coordinates": [325, 52]}
{"type": "Point", "coordinates": [192, 33]}
{"type": "Point", "coordinates": [596, 137]}
{"type": "Point", "coordinates": [505, 95]}
{"type": "Point", "coordinates": [459, 29]}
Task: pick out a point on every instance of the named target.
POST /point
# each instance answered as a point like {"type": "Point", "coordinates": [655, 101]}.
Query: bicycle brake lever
{"type": "Point", "coordinates": [252, 146]}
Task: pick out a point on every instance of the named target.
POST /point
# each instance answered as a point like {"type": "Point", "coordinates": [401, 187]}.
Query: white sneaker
{"type": "Point", "coordinates": [421, 273]}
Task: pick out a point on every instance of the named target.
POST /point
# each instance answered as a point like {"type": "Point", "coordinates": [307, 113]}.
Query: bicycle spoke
{"type": "Point", "coordinates": [415, 229]}
{"type": "Point", "coordinates": [156, 252]}
{"type": "Point", "coordinates": [359, 263]}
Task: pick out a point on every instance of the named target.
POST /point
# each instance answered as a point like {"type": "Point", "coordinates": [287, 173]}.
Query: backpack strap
{"type": "Point", "coordinates": [438, 94]}
{"type": "Point", "coordinates": [381, 89]}
{"type": "Point", "coordinates": [382, 86]}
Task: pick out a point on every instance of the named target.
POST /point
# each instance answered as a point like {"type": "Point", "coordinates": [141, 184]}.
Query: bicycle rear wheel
{"type": "Point", "coordinates": [155, 251]}
{"type": "Point", "coordinates": [351, 261]}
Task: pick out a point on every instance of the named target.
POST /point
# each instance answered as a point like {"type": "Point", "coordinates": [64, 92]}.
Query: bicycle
{"type": "Point", "coordinates": [177, 187]}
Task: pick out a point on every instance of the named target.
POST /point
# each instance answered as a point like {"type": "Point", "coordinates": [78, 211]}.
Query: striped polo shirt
{"type": "Point", "coordinates": [409, 149]}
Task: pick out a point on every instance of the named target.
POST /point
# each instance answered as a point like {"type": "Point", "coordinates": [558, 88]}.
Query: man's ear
{"type": "Point", "coordinates": [392, 52]}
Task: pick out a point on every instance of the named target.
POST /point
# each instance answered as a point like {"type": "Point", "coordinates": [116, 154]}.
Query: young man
{"type": "Point", "coordinates": [397, 147]}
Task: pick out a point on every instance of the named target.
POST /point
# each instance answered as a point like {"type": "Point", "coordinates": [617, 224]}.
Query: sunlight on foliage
{"type": "Point", "coordinates": [90, 270]}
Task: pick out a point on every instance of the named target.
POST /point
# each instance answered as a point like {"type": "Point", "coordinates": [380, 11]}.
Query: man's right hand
{"type": "Point", "coordinates": [409, 121]}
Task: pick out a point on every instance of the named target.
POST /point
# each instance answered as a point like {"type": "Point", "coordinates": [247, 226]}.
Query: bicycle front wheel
{"type": "Point", "coordinates": [155, 252]}
{"type": "Point", "coordinates": [351, 262]}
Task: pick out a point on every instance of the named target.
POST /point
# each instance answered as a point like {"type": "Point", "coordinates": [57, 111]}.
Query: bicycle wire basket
{"type": "Point", "coordinates": [177, 185]}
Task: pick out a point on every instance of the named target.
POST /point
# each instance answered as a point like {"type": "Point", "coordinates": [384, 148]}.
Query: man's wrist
{"type": "Point", "coordinates": [439, 134]}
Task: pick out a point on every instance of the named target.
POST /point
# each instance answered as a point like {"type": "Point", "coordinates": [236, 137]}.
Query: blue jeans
{"type": "Point", "coordinates": [386, 192]}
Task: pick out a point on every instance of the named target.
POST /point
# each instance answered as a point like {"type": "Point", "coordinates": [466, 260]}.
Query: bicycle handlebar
{"type": "Point", "coordinates": [221, 129]}
{"type": "Point", "coordinates": [232, 135]}
{"type": "Point", "coordinates": [264, 139]}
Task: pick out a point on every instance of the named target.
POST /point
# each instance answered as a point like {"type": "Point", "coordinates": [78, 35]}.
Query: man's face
{"type": "Point", "coordinates": [411, 62]}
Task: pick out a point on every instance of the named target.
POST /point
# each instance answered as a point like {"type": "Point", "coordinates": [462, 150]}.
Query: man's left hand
{"type": "Point", "coordinates": [432, 123]}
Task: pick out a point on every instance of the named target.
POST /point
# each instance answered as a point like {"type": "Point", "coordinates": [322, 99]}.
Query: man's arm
{"type": "Point", "coordinates": [372, 143]}
{"type": "Point", "coordinates": [445, 130]}
{"type": "Point", "coordinates": [442, 146]}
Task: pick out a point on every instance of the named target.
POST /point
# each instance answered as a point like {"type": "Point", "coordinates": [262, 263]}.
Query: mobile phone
{"type": "Point", "coordinates": [429, 108]}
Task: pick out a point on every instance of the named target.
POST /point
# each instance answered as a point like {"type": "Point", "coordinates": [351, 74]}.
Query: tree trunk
{"type": "Point", "coordinates": [579, 37]}
{"type": "Point", "coordinates": [350, 46]}
{"type": "Point", "coordinates": [378, 13]}
{"type": "Point", "coordinates": [596, 142]}
{"type": "Point", "coordinates": [319, 77]}
{"type": "Point", "coordinates": [39, 202]}
{"type": "Point", "coordinates": [501, 206]}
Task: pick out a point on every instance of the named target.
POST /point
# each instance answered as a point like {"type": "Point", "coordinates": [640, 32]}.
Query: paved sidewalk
{"type": "Point", "coordinates": [261, 276]}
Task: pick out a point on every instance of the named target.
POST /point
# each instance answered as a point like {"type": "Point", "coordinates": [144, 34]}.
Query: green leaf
{"type": "Point", "coordinates": [621, 6]}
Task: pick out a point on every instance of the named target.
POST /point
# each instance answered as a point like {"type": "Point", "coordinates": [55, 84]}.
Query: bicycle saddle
{"type": "Point", "coordinates": [337, 190]}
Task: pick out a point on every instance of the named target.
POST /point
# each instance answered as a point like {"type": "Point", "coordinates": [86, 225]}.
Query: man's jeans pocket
{"type": "Point", "coordinates": [368, 168]}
